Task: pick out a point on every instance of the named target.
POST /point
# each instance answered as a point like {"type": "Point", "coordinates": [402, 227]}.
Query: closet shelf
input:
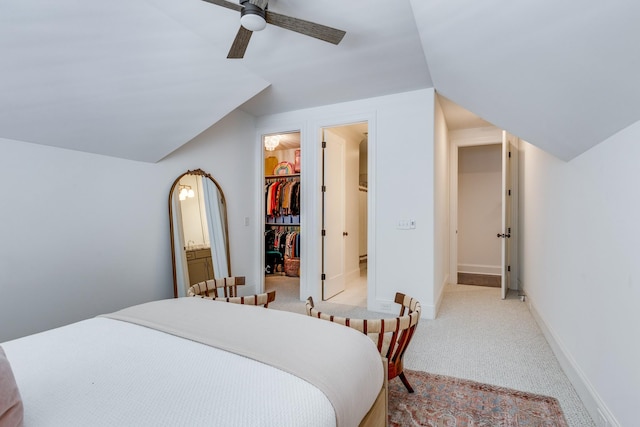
{"type": "Point", "coordinates": [291, 175]}
{"type": "Point", "coordinates": [294, 224]}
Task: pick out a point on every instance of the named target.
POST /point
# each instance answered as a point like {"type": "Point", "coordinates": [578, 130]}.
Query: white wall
{"type": "Point", "coordinates": [442, 246]}
{"type": "Point", "coordinates": [77, 242]}
{"type": "Point", "coordinates": [479, 209]}
{"type": "Point", "coordinates": [226, 151]}
{"type": "Point", "coordinates": [401, 180]}
{"type": "Point", "coordinates": [579, 254]}
{"type": "Point", "coordinates": [85, 234]}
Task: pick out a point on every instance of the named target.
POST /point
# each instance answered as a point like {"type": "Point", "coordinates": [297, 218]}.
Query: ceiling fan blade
{"type": "Point", "coordinates": [227, 4]}
{"type": "Point", "coordinates": [311, 29]}
{"type": "Point", "coordinates": [240, 43]}
{"type": "Point", "coordinates": [262, 4]}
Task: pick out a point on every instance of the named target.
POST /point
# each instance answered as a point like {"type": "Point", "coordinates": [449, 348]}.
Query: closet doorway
{"type": "Point", "coordinates": [282, 231]}
{"type": "Point", "coordinates": [344, 213]}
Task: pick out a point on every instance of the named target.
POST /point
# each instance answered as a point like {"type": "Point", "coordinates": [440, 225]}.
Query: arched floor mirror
{"type": "Point", "coordinates": [199, 230]}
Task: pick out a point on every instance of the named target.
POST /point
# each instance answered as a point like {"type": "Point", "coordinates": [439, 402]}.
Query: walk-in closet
{"type": "Point", "coordinates": [282, 232]}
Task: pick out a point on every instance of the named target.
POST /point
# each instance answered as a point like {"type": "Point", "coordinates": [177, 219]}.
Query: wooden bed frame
{"type": "Point", "coordinates": [378, 415]}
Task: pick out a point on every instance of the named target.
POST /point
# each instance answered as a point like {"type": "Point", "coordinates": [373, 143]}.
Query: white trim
{"type": "Point", "coordinates": [476, 136]}
{"type": "Point", "coordinates": [587, 393]}
{"type": "Point", "coordinates": [515, 216]}
{"type": "Point", "coordinates": [453, 209]}
{"type": "Point", "coordinates": [431, 311]}
{"type": "Point", "coordinates": [440, 297]}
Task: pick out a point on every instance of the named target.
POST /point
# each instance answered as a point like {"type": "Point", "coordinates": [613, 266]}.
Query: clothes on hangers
{"type": "Point", "coordinates": [282, 197]}
{"type": "Point", "coordinates": [285, 240]}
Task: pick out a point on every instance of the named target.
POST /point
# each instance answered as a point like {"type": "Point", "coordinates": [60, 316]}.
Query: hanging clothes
{"type": "Point", "coordinates": [282, 207]}
{"type": "Point", "coordinates": [285, 240]}
{"type": "Point", "coordinates": [282, 200]}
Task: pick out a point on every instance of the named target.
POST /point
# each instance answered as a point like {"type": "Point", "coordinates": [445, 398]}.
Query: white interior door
{"type": "Point", "coordinates": [333, 216]}
{"type": "Point", "coordinates": [508, 147]}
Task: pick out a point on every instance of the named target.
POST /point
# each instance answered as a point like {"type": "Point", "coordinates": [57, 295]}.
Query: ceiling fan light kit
{"type": "Point", "coordinates": [254, 16]}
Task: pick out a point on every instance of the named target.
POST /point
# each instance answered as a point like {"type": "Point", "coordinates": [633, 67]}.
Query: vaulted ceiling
{"type": "Point", "coordinates": [139, 78]}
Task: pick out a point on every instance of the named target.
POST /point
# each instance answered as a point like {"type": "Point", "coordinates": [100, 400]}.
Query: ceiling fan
{"type": "Point", "coordinates": [254, 16]}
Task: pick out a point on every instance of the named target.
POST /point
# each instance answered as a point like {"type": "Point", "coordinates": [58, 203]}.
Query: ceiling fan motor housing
{"type": "Point", "coordinates": [252, 17]}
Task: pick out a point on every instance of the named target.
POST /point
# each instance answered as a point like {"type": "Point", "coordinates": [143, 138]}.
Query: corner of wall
{"type": "Point", "coordinates": [429, 311]}
{"type": "Point", "coordinates": [440, 296]}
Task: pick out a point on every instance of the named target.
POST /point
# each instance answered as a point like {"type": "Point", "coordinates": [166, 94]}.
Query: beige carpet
{"type": "Point", "coordinates": [479, 337]}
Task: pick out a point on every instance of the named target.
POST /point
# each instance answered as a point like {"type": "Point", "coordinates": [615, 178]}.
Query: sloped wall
{"type": "Point", "coordinates": [85, 234]}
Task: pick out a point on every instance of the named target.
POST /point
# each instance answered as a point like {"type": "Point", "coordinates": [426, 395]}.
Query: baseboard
{"type": "Point", "coordinates": [440, 297]}
{"type": "Point", "coordinates": [428, 311]}
{"type": "Point", "coordinates": [590, 398]}
{"type": "Point", "coordinates": [480, 269]}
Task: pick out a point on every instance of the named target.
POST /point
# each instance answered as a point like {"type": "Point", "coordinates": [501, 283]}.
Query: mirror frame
{"type": "Point", "coordinates": [197, 172]}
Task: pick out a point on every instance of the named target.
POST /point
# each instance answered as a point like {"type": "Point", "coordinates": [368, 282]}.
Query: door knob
{"type": "Point", "coordinates": [344, 233]}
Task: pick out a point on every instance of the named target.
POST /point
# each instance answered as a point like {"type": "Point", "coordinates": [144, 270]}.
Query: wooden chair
{"type": "Point", "coordinates": [209, 288]}
{"type": "Point", "coordinates": [391, 336]}
{"type": "Point", "coordinates": [258, 299]}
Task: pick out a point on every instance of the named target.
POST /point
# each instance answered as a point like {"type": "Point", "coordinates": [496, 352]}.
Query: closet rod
{"type": "Point", "coordinates": [279, 177]}
{"type": "Point", "coordinates": [280, 227]}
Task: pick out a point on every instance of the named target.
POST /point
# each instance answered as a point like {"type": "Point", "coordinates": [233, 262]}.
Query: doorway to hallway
{"type": "Point", "coordinates": [479, 214]}
{"type": "Point", "coordinates": [483, 232]}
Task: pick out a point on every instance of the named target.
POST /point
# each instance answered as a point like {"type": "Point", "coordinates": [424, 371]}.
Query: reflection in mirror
{"type": "Point", "coordinates": [199, 232]}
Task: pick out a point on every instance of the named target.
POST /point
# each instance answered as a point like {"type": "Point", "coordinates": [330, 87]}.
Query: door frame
{"type": "Point", "coordinates": [315, 220]}
{"type": "Point", "coordinates": [468, 138]}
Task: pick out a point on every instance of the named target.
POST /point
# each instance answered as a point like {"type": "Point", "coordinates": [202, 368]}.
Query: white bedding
{"type": "Point", "coordinates": [163, 364]}
{"type": "Point", "coordinates": [104, 372]}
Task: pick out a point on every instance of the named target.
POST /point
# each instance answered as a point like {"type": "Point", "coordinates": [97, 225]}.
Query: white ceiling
{"type": "Point", "coordinates": [139, 78]}
{"type": "Point", "coordinates": [560, 74]}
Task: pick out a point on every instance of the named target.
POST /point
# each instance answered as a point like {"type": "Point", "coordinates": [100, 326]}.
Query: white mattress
{"type": "Point", "coordinates": [104, 372]}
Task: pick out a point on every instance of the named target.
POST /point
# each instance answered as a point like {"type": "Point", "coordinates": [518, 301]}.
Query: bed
{"type": "Point", "coordinates": [193, 362]}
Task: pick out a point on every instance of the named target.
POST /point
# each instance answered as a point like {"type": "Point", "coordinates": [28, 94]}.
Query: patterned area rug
{"type": "Point", "coordinates": [440, 401]}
